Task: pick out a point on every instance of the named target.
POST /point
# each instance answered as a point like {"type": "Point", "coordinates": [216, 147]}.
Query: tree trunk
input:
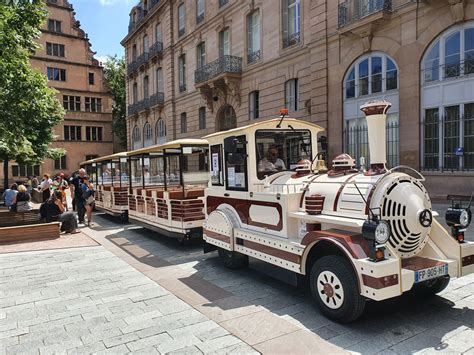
{"type": "Point", "coordinates": [5, 172]}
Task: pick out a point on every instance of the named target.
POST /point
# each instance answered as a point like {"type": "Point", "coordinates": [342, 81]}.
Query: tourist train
{"type": "Point", "coordinates": [263, 191]}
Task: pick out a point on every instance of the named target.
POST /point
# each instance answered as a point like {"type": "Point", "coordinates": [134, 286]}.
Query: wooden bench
{"type": "Point", "coordinates": [36, 231]}
{"type": "Point", "coordinates": [8, 219]}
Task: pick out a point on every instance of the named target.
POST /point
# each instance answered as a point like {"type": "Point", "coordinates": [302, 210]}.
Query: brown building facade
{"type": "Point", "coordinates": [67, 60]}
{"type": "Point", "coordinates": [195, 67]}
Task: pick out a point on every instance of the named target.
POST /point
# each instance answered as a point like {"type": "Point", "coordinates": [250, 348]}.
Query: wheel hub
{"type": "Point", "coordinates": [330, 289]}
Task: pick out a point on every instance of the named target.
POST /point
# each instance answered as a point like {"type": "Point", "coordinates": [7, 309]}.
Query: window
{"type": "Point", "coordinates": [370, 75]}
{"type": "Point", "coordinates": [91, 78]}
{"type": "Point", "coordinates": [93, 133]}
{"type": "Point", "coordinates": [147, 135]}
{"type": "Point", "coordinates": [253, 25]}
{"type": "Point", "coordinates": [146, 88]}
{"type": "Point", "coordinates": [56, 74]}
{"type": "Point", "coordinates": [55, 49]}
{"type": "Point", "coordinates": [135, 93]}
{"type": "Point", "coordinates": [134, 52]}
{"type": "Point", "coordinates": [202, 118]}
{"type": "Point", "coordinates": [93, 104]}
{"type": "Point", "coordinates": [184, 123]}
{"type": "Point", "coordinates": [72, 103]}
{"type": "Point", "coordinates": [160, 131]}
{"type": "Point", "coordinates": [72, 133]}
{"type": "Point", "coordinates": [146, 45]}
{"type": "Point", "coordinates": [158, 33]}
{"type": "Point", "coordinates": [223, 2]}
{"type": "Point", "coordinates": [224, 44]}
{"type": "Point", "coordinates": [182, 72]}
{"type": "Point", "coordinates": [236, 165]}
{"type": "Point", "coordinates": [199, 11]}
{"type": "Point", "coordinates": [91, 156]}
{"type": "Point", "coordinates": [160, 86]}
{"type": "Point", "coordinates": [254, 105]}
{"type": "Point", "coordinates": [54, 25]}
{"type": "Point", "coordinates": [25, 170]}
{"type": "Point", "coordinates": [181, 19]}
{"type": "Point", "coordinates": [201, 54]}
{"type": "Point", "coordinates": [216, 165]}
{"type": "Point", "coordinates": [291, 95]}
{"type": "Point", "coordinates": [291, 22]}
{"type": "Point", "coordinates": [60, 163]}
{"type": "Point", "coordinates": [136, 139]}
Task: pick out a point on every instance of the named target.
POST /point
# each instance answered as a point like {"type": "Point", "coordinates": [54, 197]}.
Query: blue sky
{"type": "Point", "coordinates": [106, 22]}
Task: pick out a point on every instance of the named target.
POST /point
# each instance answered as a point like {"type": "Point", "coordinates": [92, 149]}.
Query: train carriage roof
{"type": "Point", "coordinates": [186, 142]}
{"type": "Point", "coordinates": [104, 158]}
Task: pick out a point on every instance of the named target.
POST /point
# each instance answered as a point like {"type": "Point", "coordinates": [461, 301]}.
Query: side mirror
{"type": "Point", "coordinates": [230, 144]}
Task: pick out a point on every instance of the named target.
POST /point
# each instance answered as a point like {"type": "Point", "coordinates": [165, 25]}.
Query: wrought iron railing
{"type": "Point", "coordinates": [182, 87]}
{"type": "Point", "coordinates": [356, 143]}
{"type": "Point", "coordinates": [181, 32]}
{"type": "Point", "coordinates": [353, 10]}
{"type": "Point", "coordinates": [157, 99]}
{"type": "Point", "coordinates": [253, 56]}
{"type": "Point", "coordinates": [291, 39]}
{"type": "Point", "coordinates": [200, 18]}
{"type": "Point", "coordinates": [133, 109]}
{"type": "Point", "coordinates": [225, 64]}
{"type": "Point", "coordinates": [223, 2]}
{"type": "Point", "coordinates": [142, 14]}
{"type": "Point", "coordinates": [446, 71]}
{"type": "Point", "coordinates": [132, 67]}
{"type": "Point", "coordinates": [156, 50]}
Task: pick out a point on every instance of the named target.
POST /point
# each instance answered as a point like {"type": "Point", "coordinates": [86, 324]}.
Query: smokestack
{"type": "Point", "coordinates": [376, 115]}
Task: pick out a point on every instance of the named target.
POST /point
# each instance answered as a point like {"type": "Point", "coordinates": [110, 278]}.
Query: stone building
{"type": "Point", "coordinates": [66, 58]}
{"type": "Point", "coordinates": [198, 66]}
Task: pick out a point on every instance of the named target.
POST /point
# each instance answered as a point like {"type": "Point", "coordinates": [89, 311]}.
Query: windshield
{"type": "Point", "coordinates": [279, 150]}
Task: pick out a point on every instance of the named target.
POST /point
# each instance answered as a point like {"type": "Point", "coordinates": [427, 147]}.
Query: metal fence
{"type": "Point", "coordinates": [440, 140]}
{"type": "Point", "coordinates": [225, 64]}
{"type": "Point", "coordinates": [356, 143]}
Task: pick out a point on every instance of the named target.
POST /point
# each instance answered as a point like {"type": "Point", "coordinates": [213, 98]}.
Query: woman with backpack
{"type": "Point", "coordinates": [88, 194]}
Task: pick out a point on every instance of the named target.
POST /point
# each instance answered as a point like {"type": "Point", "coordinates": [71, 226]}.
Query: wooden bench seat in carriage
{"type": "Point", "coordinates": [22, 226]}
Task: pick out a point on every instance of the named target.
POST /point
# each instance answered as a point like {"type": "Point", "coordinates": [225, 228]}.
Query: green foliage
{"type": "Point", "coordinates": [115, 76]}
{"type": "Point", "coordinates": [29, 109]}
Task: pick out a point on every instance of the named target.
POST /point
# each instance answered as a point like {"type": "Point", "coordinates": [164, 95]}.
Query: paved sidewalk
{"type": "Point", "coordinates": [86, 300]}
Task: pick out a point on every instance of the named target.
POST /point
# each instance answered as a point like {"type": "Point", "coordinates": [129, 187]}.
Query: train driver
{"type": "Point", "coordinates": [272, 162]}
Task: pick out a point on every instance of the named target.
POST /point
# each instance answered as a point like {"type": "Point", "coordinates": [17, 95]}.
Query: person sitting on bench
{"type": "Point", "coordinates": [53, 210]}
{"type": "Point", "coordinates": [22, 200]}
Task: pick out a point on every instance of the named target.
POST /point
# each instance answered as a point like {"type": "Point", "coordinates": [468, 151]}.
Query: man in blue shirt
{"type": "Point", "coordinates": [8, 196]}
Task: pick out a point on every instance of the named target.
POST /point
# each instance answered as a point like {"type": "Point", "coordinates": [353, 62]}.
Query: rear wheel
{"type": "Point", "coordinates": [232, 259]}
{"type": "Point", "coordinates": [432, 287]}
{"type": "Point", "coordinates": [334, 289]}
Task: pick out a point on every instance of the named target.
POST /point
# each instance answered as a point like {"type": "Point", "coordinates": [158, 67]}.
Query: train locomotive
{"type": "Point", "coordinates": [357, 234]}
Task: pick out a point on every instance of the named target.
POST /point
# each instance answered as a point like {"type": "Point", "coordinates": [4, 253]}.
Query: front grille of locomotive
{"type": "Point", "coordinates": [400, 206]}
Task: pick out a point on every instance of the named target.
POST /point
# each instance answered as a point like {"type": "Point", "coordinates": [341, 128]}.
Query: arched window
{"type": "Point", "coordinates": [136, 139]}
{"type": "Point", "coordinates": [447, 105]}
{"type": "Point", "coordinates": [226, 118]}
{"type": "Point", "coordinates": [147, 135]}
{"type": "Point", "coordinates": [372, 76]}
{"type": "Point", "coordinates": [160, 131]}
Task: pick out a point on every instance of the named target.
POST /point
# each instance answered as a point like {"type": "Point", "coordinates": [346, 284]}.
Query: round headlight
{"type": "Point", "coordinates": [464, 218]}
{"type": "Point", "coordinates": [382, 232]}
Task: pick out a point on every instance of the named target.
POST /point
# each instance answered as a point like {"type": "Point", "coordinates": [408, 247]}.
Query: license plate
{"type": "Point", "coordinates": [431, 273]}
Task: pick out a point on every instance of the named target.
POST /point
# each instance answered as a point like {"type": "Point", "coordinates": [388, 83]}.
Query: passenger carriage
{"type": "Point", "coordinates": [358, 234]}
{"type": "Point", "coordinates": [110, 175]}
{"type": "Point", "coordinates": [166, 190]}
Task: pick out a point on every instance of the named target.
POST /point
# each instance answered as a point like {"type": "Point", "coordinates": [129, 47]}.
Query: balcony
{"type": "Point", "coordinates": [351, 11]}
{"type": "Point", "coordinates": [291, 39]}
{"type": "Point", "coordinates": [157, 100]}
{"type": "Point", "coordinates": [219, 79]}
{"type": "Point", "coordinates": [182, 87]}
{"type": "Point", "coordinates": [223, 2]}
{"type": "Point", "coordinates": [142, 15]}
{"type": "Point", "coordinates": [181, 32]}
{"type": "Point", "coordinates": [132, 67]}
{"type": "Point", "coordinates": [226, 64]}
{"type": "Point", "coordinates": [253, 56]}
{"type": "Point", "coordinates": [156, 50]}
{"type": "Point", "coordinates": [199, 18]}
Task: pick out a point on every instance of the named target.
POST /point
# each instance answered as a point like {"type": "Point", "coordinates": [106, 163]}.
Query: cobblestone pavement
{"type": "Point", "coordinates": [88, 300]}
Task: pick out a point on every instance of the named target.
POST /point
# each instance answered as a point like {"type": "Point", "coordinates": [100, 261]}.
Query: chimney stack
{"type": "Point", "coordinates": [376, 115]}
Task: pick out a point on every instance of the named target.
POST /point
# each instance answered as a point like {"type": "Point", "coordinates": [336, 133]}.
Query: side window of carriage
{"type": "Point", "coordinates": [217, 173]}
{"type": "Point", "coordinates": [235, 154]}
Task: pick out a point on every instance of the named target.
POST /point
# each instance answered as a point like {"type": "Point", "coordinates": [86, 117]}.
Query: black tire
{"type": "Point", "coordinates": [232, 259]}
{"type": "Point", "coordinates": [352, 303]}
{"type": "Point", "coordinates": [124, 217]}
{"type": "Point", "coordinates": [432, 287]}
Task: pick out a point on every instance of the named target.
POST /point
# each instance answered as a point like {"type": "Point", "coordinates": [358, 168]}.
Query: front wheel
{"type": "Point", "coordinates": [432, 287]}
{"type": "Point", "coordinates": [232, 259]}
{"type": "Point", "coordinates": [334, 289]}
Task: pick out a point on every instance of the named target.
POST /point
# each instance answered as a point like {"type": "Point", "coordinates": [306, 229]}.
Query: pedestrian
{"type": "Point", "coordinates": [53, 210]}
{"type": "Point", "coordinates": [34, 182]}
{"type": "Point", "coordinates": [8, 197]}
{"type": "Point", "coordinates": [45, 187]}
{"type": "Point", "coordinates": [88, 195]}
{"type": "Point", "coordinates": [22, 200]}
{"type": "Point", "coordinates": [62, 185]}
{"type": "Point", "coordinates": [76, 192]}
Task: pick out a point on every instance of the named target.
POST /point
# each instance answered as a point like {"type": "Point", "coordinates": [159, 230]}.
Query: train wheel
{"type": "Point", "coordinates": [232, 259]}
{"type": "Point", "coordinates": [432, 287]}
{"type": "Point", "coordinates": [334, 289]}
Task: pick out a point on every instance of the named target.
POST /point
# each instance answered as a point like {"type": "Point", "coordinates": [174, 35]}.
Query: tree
{"type": "Point", "coordinates": [115, 76]}
{"type": "Point", "coordinates": [29, 109]}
